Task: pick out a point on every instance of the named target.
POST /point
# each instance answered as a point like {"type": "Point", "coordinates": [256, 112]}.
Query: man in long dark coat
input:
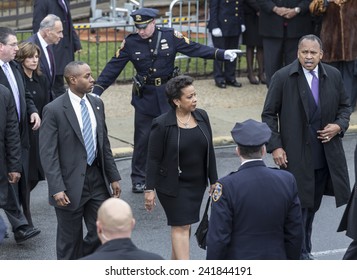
{"type": "Point", "coordinates": [307, 132]}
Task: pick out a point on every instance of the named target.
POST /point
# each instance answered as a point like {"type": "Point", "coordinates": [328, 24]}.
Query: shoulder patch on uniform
{"type": "Point", "coordinates": [178, 34]}
{"type": "Point", "coordinates": [121, 47]}
{"type": "Point", "coordinates": [217, 193]}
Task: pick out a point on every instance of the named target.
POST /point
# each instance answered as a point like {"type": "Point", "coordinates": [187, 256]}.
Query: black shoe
{"type": "Point", "coordinates": [234, 84]}
{"type": "Point", "coordinates": [221, 85]}
{"type": "Point", "coordinates": [138, 188]}
{"type": "Point", "coordinates": [23, 234]}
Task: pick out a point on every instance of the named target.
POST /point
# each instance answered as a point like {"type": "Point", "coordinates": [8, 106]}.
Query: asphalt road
{"type": "Point", "coordinates": [152, 233]}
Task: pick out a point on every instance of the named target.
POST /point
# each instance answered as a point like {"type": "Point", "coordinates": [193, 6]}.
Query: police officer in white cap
{"type": "Point", "coordinates": [152, 51]}
{"type": "Point", "coordinates": [256, 211]}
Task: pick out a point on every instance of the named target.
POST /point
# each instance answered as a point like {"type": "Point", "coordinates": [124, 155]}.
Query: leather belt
{"type": "Point", "coordinates": [157, 81]}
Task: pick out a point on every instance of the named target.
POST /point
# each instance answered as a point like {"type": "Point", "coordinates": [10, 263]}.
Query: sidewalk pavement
{"type": "Point", "coordinates": [225, 107]}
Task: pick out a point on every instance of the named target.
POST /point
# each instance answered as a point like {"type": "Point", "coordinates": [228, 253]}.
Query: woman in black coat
{"type": "Point", "coordinates": [181, 162]}
{"type": "Point", "coordinates": [28, 57]}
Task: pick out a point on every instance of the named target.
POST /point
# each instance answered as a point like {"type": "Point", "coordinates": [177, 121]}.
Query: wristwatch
{"type": "Point", "coordinates": [297, 10]}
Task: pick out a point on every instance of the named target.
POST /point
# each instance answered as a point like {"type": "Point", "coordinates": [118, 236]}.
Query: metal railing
{"type": "Point", "coordinates": [100, 44]}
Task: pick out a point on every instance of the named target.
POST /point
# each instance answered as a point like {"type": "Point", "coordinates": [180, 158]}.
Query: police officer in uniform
{"type": "Point", "coordinates": [226, 23]}
{"type": "Point", "coordinates": [256, 212]}
{"type": "Point", "coordinates": [152, 51]}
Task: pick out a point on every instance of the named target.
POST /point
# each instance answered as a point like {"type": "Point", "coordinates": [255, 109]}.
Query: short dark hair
{"type": "Point", "coordinates": [4, 34]}
{"type": "Point", "coordinates": [311, 37]}
{"type": "Point", "coordinates": [251, 152]}
{"type": "Point", "coordinates": [174, 87]}
{"type": "Point", "coordinates": [71, 69]}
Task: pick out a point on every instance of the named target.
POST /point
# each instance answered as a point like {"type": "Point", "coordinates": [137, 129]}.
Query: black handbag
{"type": "Point", "coordinates": [201, 232]}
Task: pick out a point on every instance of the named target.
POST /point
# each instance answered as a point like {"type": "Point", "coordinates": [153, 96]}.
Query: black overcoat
{"type": "Point", "coordinates": [286, 113]}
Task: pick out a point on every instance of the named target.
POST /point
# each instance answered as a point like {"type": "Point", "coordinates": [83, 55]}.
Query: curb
{"type": "Point", "coordinates": [217, 141]}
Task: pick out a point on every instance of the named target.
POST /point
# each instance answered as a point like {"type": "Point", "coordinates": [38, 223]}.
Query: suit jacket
{"type": "Point", "coordinates": [256, 217]}
{"type": "Point", "coordinates": [10, 145]}
{"type": "Point", "coordinates": [121, 249]}
{"type": "Point", "coordinates": [45, 68]}
{"type": "Point", "coordinates": [27, 108]}
{"type": "Point", "coordinates": [62, 150]}
{"type": "Point", "coordinates": [287, 112]}
{"type": "Point", "coordinates": [163, 152]}
{"type": "Point", "coordinates": [273, 25]}
{"type": "Point", "coordinates": [70, 43]}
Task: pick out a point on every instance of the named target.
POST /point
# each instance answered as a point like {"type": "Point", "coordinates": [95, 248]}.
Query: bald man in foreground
{"type": "Point", "coordinates": [115, 224]}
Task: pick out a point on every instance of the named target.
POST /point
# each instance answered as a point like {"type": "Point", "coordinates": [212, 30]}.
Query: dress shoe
{"type": "Point", "coordinates": [23, 234]}
{"type": "Point", "coordinates": [221, 85]}
{"type": "Point", "coordinates": [138, 188]}
{"type": "Point", "coordinates": [234, 84]}
{"type": "Point", "coordinates": [253, 80]}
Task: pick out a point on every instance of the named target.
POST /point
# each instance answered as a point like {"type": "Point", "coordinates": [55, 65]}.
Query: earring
{"type": "Point", "coordinates": [178, 106]}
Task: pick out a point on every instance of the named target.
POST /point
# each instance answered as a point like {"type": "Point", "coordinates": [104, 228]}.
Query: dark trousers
{"type": "Point", "coordinates": [225, 71]}
{"type": "Point", "coordinates": [348, 71]}
{"type": "Point", "coordinates": [70, 243]}
{"type": "Point", "coordinates": [351, 253]}
{"type": "Point", "coordinates": [141, 139]}
{"type": "Point", "coordinates": [278, 52]}
{"type": "Point", "coordinates": [308, 214]}
{"type": "Point", "coordinates": [13, 209]}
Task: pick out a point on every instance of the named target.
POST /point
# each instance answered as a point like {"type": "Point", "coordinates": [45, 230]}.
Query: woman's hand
{"type": "Point", "coordinates": [150, 200]}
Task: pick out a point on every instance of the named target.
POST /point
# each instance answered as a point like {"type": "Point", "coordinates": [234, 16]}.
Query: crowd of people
{"type": "Point", "coordinates": [58, 133]}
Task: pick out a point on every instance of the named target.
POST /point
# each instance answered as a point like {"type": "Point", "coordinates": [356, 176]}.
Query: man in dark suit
{"type": "Point", "coordinates": [256, 211]}
{"type": "Point", "coordinates": [11, 168]}
{"type": "Point", "coordinates": [115, 224]}
{"type": "Point", "coordinates": [78, 162]}
{"type": "Point", "coordinates": [63, 51]}
{"type": "Point", "coordinates": [308, 111]}
{"type": "Point", "coordinates": [226, 23]}
{"type": "Point", "coordinates": [281, 24]}
{"type": "Point", "coordinates": [49, 34]}
{"type": "Point", "coordinates": [11, 78]}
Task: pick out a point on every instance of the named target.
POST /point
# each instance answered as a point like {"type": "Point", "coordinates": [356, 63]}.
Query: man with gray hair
{"type": "Point", "coordinates": [49, 34]}
{"type": "Point", "coordinates": [115, 223]}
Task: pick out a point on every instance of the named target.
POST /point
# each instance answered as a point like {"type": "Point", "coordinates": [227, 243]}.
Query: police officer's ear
{"type": "Point", "coordinates": [237, 151]}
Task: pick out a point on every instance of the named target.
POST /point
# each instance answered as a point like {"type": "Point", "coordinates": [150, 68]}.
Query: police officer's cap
{"type": "Point", "coordinates": [251, 133]}
{"type": "Point", "coordinates": [142, 17]}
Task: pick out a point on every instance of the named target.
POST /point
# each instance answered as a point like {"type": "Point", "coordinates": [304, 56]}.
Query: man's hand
{"type": "Point", "coordinates": [35, 120]}
{"type": "Point", "coordinates": [116, 189]}
{"type": "Point", "coordinates": [280, 157]}
{"type": "Point", "coordinates": [14, 177]}
{"type": "Point", "coordinates": [231, 55]}
{"type": "Point", "coordinates": [329, 131]}
{"type": "Point", "coordinates": [61, 199]}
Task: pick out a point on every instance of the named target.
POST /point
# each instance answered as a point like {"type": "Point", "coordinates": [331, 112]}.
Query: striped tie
{"type": "Point", "coordinates": [87, 133]}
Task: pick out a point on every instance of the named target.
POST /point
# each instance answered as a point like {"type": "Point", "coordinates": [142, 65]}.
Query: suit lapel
{"type": "Point", "coordinates": [72, 117]}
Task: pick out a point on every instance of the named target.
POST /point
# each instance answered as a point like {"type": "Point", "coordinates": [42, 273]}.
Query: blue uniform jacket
{"type": "Point", "coordinates": [139, 52]}
{"type": "Point", "coordinates": [257, 216]}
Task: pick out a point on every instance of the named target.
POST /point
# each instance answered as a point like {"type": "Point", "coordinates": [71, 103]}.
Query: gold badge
{"type": "Point", "coordinates": [217, 193]}
{"type": "Point", "coordinates": [138, 18]}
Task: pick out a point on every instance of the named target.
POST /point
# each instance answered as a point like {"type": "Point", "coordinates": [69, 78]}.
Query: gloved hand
{"type": "Point", "coordinates": [242, 28]}
{"type": "Point", "coordinates": [217, 32]}
{"type": "Point", "coordinates": [231, 55]}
